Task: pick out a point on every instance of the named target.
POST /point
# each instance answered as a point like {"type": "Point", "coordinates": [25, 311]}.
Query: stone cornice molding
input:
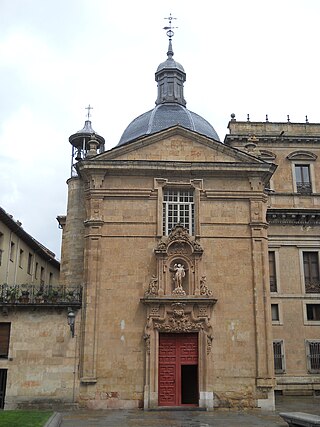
{"type": "Point", "coordinates": [293, 216]}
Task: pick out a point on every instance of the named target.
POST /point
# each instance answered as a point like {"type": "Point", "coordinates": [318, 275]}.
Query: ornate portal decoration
{"type": "Point", "coordinates": [167, 315]}
{"type": "Point", "coordinates": [152, 288]}
{"type": "Point", "coordinates": [204, 290]}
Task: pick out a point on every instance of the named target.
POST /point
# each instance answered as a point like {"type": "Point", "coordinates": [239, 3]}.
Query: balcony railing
{"type": "Point", "coordinates": [312, 287]}
{"type": "Point", "coordinates": [28, 294]}
{"type": "Point", "coordinates": [304, 188]}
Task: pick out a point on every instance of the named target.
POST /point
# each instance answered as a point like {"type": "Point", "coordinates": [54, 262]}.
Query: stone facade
{"type": "Point", "coordinates": [129, 264]}
{"type": "Point", "coordinates": [294, 226]}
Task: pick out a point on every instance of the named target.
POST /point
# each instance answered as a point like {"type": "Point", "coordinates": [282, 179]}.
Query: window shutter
{"type": "Point", "coordinates": [4, 339]}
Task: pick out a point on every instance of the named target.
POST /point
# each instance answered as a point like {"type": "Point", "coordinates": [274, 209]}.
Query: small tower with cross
{"type": "Point", "coordinates": [82, 140]}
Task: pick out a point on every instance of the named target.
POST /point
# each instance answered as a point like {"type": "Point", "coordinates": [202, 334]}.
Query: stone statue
{"type": "Point", "coordinates": [179, 275]}
{"type": "Point", "coordinates": [153, 287]}
{"type": "Point", "coordinates": [204, 290]}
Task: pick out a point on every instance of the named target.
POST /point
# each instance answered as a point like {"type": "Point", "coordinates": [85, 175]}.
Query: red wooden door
{"type": "Point", "coordinates": [178, 369]}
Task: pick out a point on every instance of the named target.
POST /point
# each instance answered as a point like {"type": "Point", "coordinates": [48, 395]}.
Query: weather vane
{"type": "Point", "coordinates": [88, 113]}
{"type": "Point", "coordinates": [169, 29]}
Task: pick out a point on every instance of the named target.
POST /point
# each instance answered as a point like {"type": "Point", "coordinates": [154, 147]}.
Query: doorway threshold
{"type": "Point", "coordinates": [176, 408]}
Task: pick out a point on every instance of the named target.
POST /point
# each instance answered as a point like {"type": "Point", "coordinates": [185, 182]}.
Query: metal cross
{"type": "Point", "coordinates": [89, 108]}
{"type": "Point", "coordinates": [169, 29]}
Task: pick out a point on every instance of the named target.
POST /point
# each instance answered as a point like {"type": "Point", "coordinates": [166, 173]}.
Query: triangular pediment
{"type": "Point", "coordinates": [178, 144]}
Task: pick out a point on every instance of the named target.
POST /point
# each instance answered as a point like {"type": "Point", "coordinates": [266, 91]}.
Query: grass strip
{"type": "Point", "coordinates": [17, 418]}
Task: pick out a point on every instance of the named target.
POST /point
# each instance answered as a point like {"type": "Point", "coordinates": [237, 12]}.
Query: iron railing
{"type": "Point", "coordinates": [304, 188]}
{"type": "Point", "coordinates": [312, 287]}
{"type": "Point", "coordinates": [29, 294]}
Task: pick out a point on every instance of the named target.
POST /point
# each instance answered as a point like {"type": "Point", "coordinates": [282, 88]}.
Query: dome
{"type": "Point", "coordinates": [164, 116]}
{"type": "Point", "coordinates": [170, 109]}
{"type": "Point", "coordinates": [170, 63]}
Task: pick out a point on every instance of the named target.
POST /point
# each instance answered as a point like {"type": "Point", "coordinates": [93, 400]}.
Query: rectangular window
{"type": "Point", "coordinates": [36, 271]}
{"type": "Point", "coordinates": [12, 250]}
{"type": "Point", "coordinates": [42, 276]}
{"type": "Point", "coordinates": [178, 208]}
{"type": "Point", "coordinates": [275, 312]}
{"type": "Point", "coordinates": [278, 355]}
{"type": "Point", "coordinates": [1, 247]}
{"type": "Point", "coordinates": [20, 258]}
{"type": "Point", "coordinates": [311, 272]}
{"type": "Point", "coordinates": [50, 278]}
{"type": "Point", "coordinates": [303, 181]}
{"type": "Point", "coordinates": [313, 356]}
{"type": "Point", "coordinates": [272, 271]}
{"type": "Point", "coordinates": [313, 312]}
{"type": "Point", "coordinates": [4, 339]}
{"type": "Point", "coordinates": [30, 257]}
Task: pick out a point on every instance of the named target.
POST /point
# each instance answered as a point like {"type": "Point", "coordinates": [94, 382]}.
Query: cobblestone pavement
{"type": "Point", "coordinates": [174, 418]}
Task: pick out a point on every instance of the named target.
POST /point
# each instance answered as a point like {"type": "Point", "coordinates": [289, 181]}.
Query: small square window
{"type": "Point", "coordinates": [313, 312]}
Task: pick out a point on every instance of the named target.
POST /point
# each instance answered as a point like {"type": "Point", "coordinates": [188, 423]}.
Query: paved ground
{"type": "Point", "coordinates": [217, 418]}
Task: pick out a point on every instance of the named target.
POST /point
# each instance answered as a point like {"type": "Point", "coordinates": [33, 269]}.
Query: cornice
{"type": "Point", "coordinates": [294, 216]}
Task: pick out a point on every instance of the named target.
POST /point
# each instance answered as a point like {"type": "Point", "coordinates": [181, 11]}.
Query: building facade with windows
{"type": "Point", "coordinates": [36, 354]}
{"type": "Point", "coordinates": [23, 260]}
{"type": "Point", "coordinates": [293, 218]}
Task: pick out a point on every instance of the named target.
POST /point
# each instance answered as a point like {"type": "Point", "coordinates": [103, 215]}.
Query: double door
{"type": "Point", "coordinates": [178, 370]}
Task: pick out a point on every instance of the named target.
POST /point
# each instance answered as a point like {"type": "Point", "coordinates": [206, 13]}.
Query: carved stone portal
{"type": "Point", "coordinates": [177, 314]}
{"type": "Point", "coordinates": [178, 300]}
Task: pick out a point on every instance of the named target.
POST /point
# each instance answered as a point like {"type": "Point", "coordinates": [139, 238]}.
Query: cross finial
{"type": "Point", "coordinates": [88, 113]}
{"type": "Point", "coordinates": [169, 29]}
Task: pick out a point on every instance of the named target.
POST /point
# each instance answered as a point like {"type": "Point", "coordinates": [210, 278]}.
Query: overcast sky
{"type": "Point", "coordinates": [56, 57]}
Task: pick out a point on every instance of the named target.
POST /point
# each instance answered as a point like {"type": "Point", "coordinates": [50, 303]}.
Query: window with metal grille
{"type": "Point", "coordinates": [313, 312]}
{"type": "Point", "coordinates": [303, 181]}
{"type": "Point", "coordinates": [272, 271]}
{"type": "Point", "coordinates": [311, 272]}
{"type": "Point", "coordinates": [278, 356]}
{"type": "Point", "coordinates": [178, 208]}
{"type": "Point", "coordinates": [313, 356]}
{"type": "Point", "coordinates": [4, 339]}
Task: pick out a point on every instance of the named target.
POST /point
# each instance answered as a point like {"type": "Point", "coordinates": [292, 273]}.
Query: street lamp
{"type": "Point", "coordinates": [71, 320]}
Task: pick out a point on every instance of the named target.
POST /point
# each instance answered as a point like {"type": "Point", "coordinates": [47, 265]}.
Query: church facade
{"type": "Point", "coordinates": [198, 262]}
{"type": "Point", "coordinates": [197, 257]}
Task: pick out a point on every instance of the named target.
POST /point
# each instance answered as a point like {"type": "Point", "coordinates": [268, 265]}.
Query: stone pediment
{"type": "Point", "coordinates": [178, 144]}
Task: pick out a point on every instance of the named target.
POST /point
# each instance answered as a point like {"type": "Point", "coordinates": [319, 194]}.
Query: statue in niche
{"type": "Point", "coordinates": [179, 274]}
{"type": "Point", "coordinates": [204, 290]}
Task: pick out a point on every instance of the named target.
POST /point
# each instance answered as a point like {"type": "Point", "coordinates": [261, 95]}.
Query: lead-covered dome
{"type": "Point", "coordinates": [163, 117]}
{"type": "Point", "coordinates": [170, 109]}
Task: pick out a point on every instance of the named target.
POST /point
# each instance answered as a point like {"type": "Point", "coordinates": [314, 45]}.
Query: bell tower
{"type": "Point", "coordinates": [80, 142]}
